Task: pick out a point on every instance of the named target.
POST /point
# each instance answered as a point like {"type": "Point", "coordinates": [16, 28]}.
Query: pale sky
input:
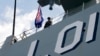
{"type": "Point", "coordinates": [25, 16]}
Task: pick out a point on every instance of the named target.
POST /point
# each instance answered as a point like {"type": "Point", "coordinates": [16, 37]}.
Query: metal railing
{"type": "Point", "coordinates": [32, 31]}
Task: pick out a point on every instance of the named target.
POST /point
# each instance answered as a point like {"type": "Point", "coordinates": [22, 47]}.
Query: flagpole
{"type": "Point", "coordinates": [13, 29]}
{"type": "Point", "coordinates": [36, 30]}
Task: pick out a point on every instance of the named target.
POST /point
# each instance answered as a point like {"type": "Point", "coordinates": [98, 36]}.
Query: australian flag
{"type": "Point", "coordinates": [39, 19]}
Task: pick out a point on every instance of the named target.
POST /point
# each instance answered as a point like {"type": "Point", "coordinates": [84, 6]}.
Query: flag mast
{"type": "Point", "coordinates": [13, 29]}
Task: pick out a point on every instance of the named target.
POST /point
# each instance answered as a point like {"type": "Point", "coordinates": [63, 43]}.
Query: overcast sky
{"type": "Point", "coordinates": [26, 13]}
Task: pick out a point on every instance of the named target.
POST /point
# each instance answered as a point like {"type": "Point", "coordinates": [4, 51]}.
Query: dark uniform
{"type": "Point", "coordinates": [48, 23]}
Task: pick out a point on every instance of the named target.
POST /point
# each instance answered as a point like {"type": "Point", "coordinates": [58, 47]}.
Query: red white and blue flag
{"type": "Point", "coordinates": [39, 19]}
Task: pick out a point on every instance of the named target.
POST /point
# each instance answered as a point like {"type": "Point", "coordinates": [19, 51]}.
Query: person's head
{"type": "Point", "coordinates": [49, 18]}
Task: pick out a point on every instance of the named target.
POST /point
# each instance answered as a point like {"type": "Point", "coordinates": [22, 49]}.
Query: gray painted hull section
{"type": "Point", "coordinates": [48, 38]}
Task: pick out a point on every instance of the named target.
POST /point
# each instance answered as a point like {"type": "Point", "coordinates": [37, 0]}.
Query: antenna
{"type": "Point", "coordinates": [13, 29]}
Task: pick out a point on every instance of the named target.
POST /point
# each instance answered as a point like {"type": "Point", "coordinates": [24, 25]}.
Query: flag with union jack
{"type": "Point", "coordinates": [39, 19]}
